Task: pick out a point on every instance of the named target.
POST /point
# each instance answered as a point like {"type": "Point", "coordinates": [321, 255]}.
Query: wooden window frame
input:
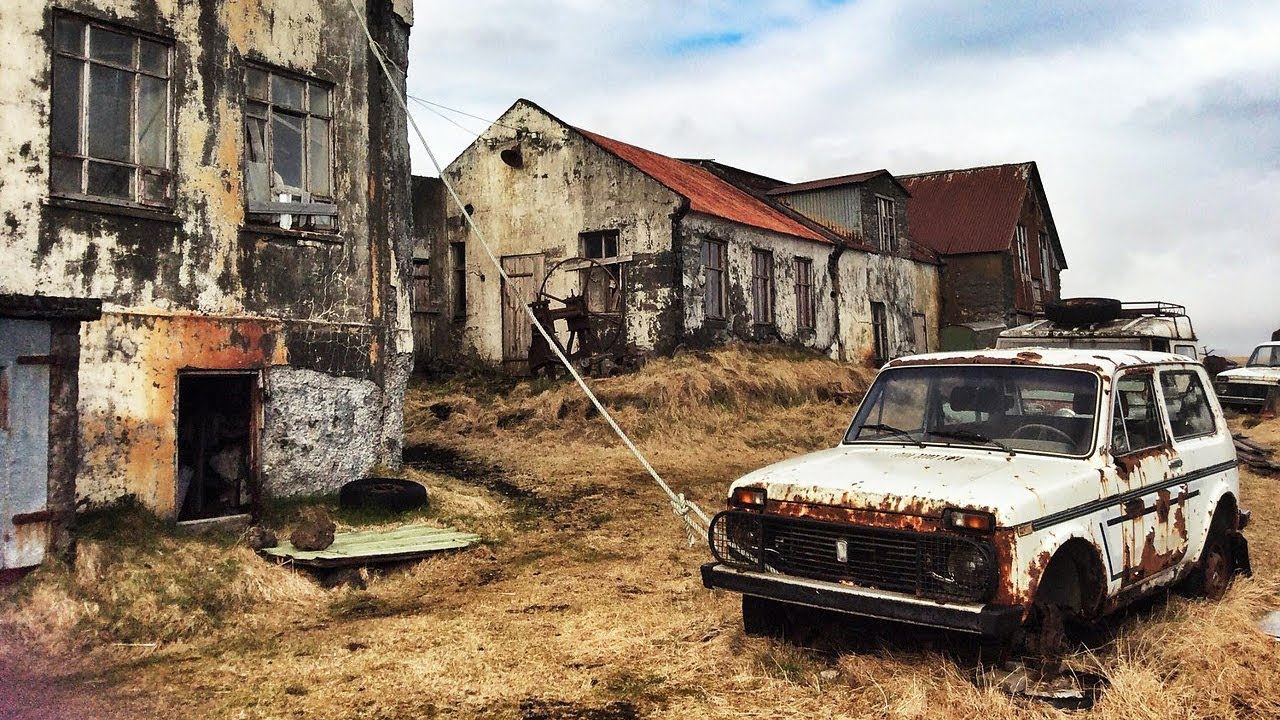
{"type": "Point", "coordinates": [880, 332]}
{"type": "Point", "coordinates": [806, 300]}
{"type": "Point", "coordinates": [315, 211]}
{"type": "Point", "coordinates": [715, 261]}
{"type": "Point", "coordinates": [763, 291]}
{"type": "Point", "coordinates": [613, 262]}
{"type": "Point", "coordinates": [887, 223]}
{"type": "Point", "coordinates": [1046, 263]}
{"type": "Point", "coordinates": [85, 62]}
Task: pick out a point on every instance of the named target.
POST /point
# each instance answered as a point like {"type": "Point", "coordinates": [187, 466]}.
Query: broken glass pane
{"type": "Point", "coordinates": [110, 113]}
{"type": "Point", "coordinates": [65, 114]}
{"type": "Point", "coordinates": [255, 155]}
{"type": "Point", "coordinates": [255, 84]}
{"type": "Point", "coordinates": [319, 100]}
{"type": "Point", "coordinates": [68, 36]}
{"type": "Point", "coordinates": [153, 121]}
{"type": "Point", "coordinates": [111, 181]}
{"type": "Point", "coordinates": [153, 57]}
{"type": "Point", "coordinates": [318, 156]}
{"type": "Point", "coordinates": [286, 92]}
{"type": "Point", "coordinates": [155, 186]}
{"type": "Point", "coordinates": [286, 150]}
{"type": "Point", "coordinates": [111, 47]}
{"type": "Point", "coordinates": [66, 175]}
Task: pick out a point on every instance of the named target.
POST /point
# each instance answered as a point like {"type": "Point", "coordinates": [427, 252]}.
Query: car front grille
{"type": "Point", "coordinates": [935, 565]}
{"type": "Point", "coordinates": [1253, 391]}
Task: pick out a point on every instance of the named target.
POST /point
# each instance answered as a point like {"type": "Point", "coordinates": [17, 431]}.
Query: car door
{"type": "Point", "coordinates": [1141, 457]}
{"type": "Point", "coordinates": [1202, 452]}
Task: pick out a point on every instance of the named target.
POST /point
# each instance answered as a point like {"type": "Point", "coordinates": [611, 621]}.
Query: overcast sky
{"type": "Point", "coordinates": [1156, 125]}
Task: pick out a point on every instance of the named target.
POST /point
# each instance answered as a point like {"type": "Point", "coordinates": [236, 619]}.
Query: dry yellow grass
{"type": "Point", "coordinates": [588, 601]}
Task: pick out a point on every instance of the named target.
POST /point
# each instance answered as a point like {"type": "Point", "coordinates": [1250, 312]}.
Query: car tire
{"type": "Point", "coordinates": [1082, 311]}
{"type": "Point", "coordinates": [380, 493]}
{"type": "Point", "coordinates": [762, 617]}
{"type": "Point", "coordinates": [1212, 576]}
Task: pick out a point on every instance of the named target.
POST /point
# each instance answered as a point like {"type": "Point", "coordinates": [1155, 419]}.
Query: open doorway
{"type": "Point", "coordinates": [217, 444]}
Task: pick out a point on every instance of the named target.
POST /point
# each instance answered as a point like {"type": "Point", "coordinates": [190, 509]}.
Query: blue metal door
{"type": "Point", "coordinates": [24, 441]}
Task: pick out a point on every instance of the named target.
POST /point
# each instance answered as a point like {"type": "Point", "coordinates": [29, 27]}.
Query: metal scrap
{"type": "Point", "coordinates": [1257, 457]}
{"type": "Point", "coordinates": [367, 547]}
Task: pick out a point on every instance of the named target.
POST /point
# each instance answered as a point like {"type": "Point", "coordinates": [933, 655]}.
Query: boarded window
{"type": "Point", "coordinates": [805, 299]}
{"type": "Point", "coordinates": [888, 224]}
{"type": "Point", "coordinates": [602, 281]}
{"type": "Point", "coordinates": [880, 333]}
{"type": "Point", "coordinates": [1024, 262]}
{"type": "Point", "coordinates": [1135, 422]}
{"type": "Point", "coordinates": [762, 286]}
{"type": "Point", "coordinates": [919, 332]}
{"type": "Point", "coordinates": [714, 297]}
{"type": "Point", "coordinates": [458, 288]}
{"type": "Point", "coordinates": [1187, 404]}
{"type": "Point", "coordinates": [421, 285]}
{"type": "Point", "coordinates": [110, 125]}
{"type": "Point", "coordinates": [288, 160]}
{"type": "Point", "coordinates": [1046, 262]}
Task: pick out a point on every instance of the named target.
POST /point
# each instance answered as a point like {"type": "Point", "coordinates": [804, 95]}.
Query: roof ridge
{"type": "Point", "coordinates": [968, 169]}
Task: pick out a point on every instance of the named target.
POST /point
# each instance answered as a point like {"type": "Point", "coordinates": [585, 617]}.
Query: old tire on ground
{"type": "Point", "coordinates": [391, 494]}
{"type": "Point", "coordinates": [762, 617]}
{"type": "Point", "coordinates": [1082, 311]}
{"type": "Point", "coordinates": [1212, 578]}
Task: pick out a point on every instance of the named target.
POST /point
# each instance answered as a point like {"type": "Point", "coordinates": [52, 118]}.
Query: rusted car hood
{"type": "Point", "coordinates": [919, 481]}
{"type": "Point", "coordinates": [1251, 374]}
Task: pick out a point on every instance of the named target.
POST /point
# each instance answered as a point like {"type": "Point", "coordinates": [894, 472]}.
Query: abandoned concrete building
{"type": "Point", "coordinates": [665, 252]}
{"type": "Point", "coordinates": [231, 179]}
{"type": "Point", "coordinates": [992, 227]}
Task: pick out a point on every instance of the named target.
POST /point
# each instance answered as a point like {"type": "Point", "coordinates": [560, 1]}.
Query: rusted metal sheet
{"type": "Point", "coordinates": [367, 547]}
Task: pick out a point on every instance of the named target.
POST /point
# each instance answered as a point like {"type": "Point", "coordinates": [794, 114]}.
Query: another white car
{"type": "Point", "coordinates": [1256, 386]}
{"type": "Point", "coordinates": [995, 492]}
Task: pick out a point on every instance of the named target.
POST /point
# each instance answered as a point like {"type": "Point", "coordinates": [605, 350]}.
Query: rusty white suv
{"type": "Point", "coordinates": [999, 492]}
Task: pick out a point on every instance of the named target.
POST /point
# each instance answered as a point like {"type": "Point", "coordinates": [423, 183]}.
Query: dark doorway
{"type": "Point", "coordinates": [217, 444]}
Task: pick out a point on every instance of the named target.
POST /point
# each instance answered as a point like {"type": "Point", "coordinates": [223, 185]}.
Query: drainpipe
{"type": "Point", "coordinates": [833, 272]}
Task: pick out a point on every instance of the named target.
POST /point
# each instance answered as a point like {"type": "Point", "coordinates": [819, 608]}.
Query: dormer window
{"type": "Point", "coordinates": [888, 224]}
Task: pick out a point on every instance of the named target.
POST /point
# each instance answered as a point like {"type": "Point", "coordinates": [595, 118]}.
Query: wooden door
{"type": "Point", "coordinates": [24, 442]}
{"type": "Point", "coordinates": [525, 273]}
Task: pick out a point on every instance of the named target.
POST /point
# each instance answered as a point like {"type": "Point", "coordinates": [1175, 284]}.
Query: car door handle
{"type": "Point", "coordinates": [1175, 463]}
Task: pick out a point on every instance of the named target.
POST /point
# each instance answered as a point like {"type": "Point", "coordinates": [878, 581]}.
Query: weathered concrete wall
{"type": "Point", "coordinates": [882, 185]}
{"type": "Point", "coordinates": [739, 321]}
{"type": "Point", "coordinates": [978, 286]}
{"type": "Point", "coordinates": [566, 186]}
{"type": "Point", "coordinates": [904, 286]}
{"type": "Point", "coordinates": [193, 286]}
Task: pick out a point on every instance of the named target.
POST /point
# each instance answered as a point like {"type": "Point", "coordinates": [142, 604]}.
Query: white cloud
{"type": "Point", "coordinates": [1156, 132]}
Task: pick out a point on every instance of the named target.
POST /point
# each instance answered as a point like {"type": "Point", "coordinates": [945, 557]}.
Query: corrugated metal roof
{"type": "Point", "coordinates": [967, 211]}
{"type": "Point", "coordinates": [365, 547]}
{"type": "Point", "coordinates": [832, 182]}
{"type": "Point", "coordinates": [707, 193]}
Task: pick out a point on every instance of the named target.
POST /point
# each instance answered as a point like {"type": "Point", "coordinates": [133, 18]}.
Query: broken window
{"type": "Point", "coordinates": [762, 286]}
{"type": "Point", "coordinates": [1135, 423]}
{"type": "Point", "coordinates": [288, 161]}
{"type": "Point", "coordinates": [421, 284]}
{"type": "Point", "coordinates": [601, 282]}
{"type": "Point", "coordinates": [880, 333]}
{"type": "Point", "coordinates": [805, 299]}
{"type": "Point", "coordinates": [458, 266]}
{"type": "Point", "coordinates": [1024, 262]}
{"type": "Point", "coordinates": [1187, 404]}
{"type": "Point", "coordinates": [714, 297]}
{"type": "Point", "coordinates": [888, 224]}
{"type": "Point", "coordinates": [1046, 262]}
{"type": "Point", "coordinates": [110, 131]}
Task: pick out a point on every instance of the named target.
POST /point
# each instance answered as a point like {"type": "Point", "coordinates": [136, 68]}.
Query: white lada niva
{"type": "Point", "coordinates": [997, 492]}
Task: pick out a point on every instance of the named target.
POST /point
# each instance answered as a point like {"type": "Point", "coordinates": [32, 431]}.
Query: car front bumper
{"type": "Point", "coordinates": [995, 622]}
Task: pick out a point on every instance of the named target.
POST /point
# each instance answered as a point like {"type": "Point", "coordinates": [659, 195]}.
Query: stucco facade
{"type": "Point", "coordinates": [540, 191]}
{"type": "Point", "coordinates": [299, 301]}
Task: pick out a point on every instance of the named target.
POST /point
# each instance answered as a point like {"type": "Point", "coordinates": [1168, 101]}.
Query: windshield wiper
{"type": "Point", "coordinates": [890, 429]}
{"type": "Point", "coordinates": [970, 435]}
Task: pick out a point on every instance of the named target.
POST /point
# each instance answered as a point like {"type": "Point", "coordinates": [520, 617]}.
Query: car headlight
{"type": "Point", "coordinates": [967, 565]}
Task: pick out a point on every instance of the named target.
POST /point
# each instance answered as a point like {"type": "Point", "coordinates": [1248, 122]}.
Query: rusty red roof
{"type": "Point", "coordinates": [707, 193]}
{"type": "Point", "coordinates": [833, 182]}
{"type": "Point", "coordinates": [967, 211]}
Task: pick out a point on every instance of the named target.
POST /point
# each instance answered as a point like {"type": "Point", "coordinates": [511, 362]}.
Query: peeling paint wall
{"type": "Point", "coordinates": [566, 186]}
{"type": "Point", "coordinates": [195, 286]}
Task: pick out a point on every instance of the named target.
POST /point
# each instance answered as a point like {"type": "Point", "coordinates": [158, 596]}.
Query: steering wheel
{"type": "Point", "coordinates": [1042, 432]}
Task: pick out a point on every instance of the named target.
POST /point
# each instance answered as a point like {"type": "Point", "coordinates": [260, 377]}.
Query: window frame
{"type": "Point", "coordinates": [717, 250]}
{"type": "Point", "coordinates": [83, 154]}
{"type": "Point", "coordinates": [1024, 261]}
{"type": "Point", "coordinates": [458, 286]}
{"type": "Point", "coordinates": [1157, 399]}
{"type": "Point", "coordinates": [613, 263]}
{"type": "Point", "coordinates": [1046, 262]}
{"type": "Point", "coordinates": [880, 332]}
{"type": "Point", "coordinates": [1204, 396]}
{"type": "Point", "coordinates": [806, 298]}
{"type": "Point", "coordinates": [887, 233]}
{"type": "Point", "coordinates": [763, 289]}
{"type": "Point", "coordinates": [313, 205]}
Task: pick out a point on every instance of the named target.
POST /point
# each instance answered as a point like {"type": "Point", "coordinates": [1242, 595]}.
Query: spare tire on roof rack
{"type": "Point", "coordinates": [1082, 311]}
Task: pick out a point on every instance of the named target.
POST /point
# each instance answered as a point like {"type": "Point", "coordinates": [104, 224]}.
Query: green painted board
{"type": "Point", "coordinates": [364, 547]}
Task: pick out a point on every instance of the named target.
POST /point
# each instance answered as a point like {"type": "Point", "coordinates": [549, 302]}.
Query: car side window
{"type": "Point", "coordinates": [1135, 422]}
{"type": "Point", "coordinates": [1186, 404]}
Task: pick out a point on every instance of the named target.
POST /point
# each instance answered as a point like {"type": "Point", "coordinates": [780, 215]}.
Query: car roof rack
{"type": "Point", "coordinates": [1158, 308]}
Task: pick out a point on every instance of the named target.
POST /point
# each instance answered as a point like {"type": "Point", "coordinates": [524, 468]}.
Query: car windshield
{"type": "Point", "coordinates": [1033, 409]}
{"type": "Point", "coordinates": [1265, 356]}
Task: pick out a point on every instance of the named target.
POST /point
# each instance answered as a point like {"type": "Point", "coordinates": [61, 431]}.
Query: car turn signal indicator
{"type": "Point", "coordinates": [971, 520]}
{"type": "Point", "coordinates": [748, 498]}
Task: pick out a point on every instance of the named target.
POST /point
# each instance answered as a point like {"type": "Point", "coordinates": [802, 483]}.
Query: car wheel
{"type": "Point", "coordinates": [1213, 577]}
{"type": "Point", "coordinates": [762, 617]}
{"type": "Point", "coordinates": [390, 494]}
